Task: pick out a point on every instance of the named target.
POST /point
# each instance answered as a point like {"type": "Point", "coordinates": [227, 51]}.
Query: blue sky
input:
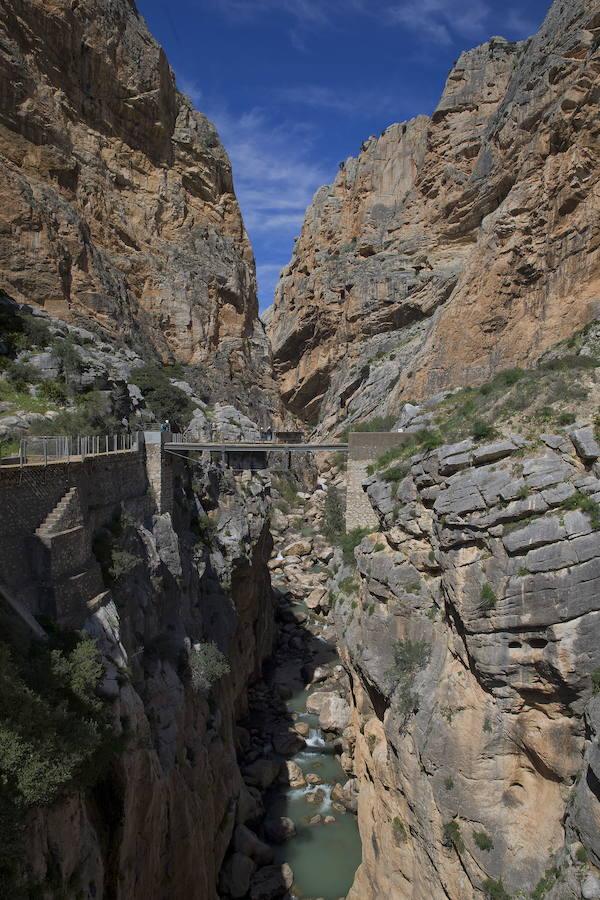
{"type": "Point", "coordinates": [295, 86]}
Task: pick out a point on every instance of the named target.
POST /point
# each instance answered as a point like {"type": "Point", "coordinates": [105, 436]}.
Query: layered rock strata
{"type": "Point", "coordinates": [474, 661]}
{"type": "Point", "coordinates": [453, 245]}
{"type": "Point", "coordinates": [117, 200]}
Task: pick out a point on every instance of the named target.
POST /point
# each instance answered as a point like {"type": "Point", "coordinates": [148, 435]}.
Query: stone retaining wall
{"type": "Point", "coordinates": [363, 449]}
{"type": "Point", "coordinates": [28, 495]}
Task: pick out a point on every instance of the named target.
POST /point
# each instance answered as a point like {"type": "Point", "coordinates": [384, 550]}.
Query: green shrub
{"type": "Point", "coordinates": [348, 586]}
{"type": "Point", "coordinates": [53, 726]}
{"type": "Point", "coordinates": [488, 597]}
{"type": "Point", "coordinates": [350, 541]}
{"type": "Point", "coordinates": [21, 375]}
{"type": "Point", "coordinates": [596, 681]}
{"type": "Point", "coordinates": [453, 837]}
{"type": "Point", "coordinates": [545, 883]}
{"type": "Point", "coordinates": [53, 391]}
{"type": "Point", "coordinates": [481, 430]}
{"type": "Point", "coordinates": [399, 831]}
{"type": "Point", "coordinates": [205, 528]}
{"type": "Point", "coordinates": [122, 563]}
{"type": "Point", "coordinates": [379, 423]}
{"type": "Point", "coordinates": [483, 840]}
{"type": "Point", "coordinates": [164, 399]}
{"type": "Point", "coordinates": [487, 725]}
{"type": "Point", "coordinates": [566, 418]}
{"type": "Point", "coordinates": [409, 657]}
{"type": "Point", "coordinates": [395, 474]}
{"type": "Point", "coordinates": [207, 666]}
{"type": "Point", "coordinates": [581, 855]}
{"type": "Point", "coordinates": [378, 547]}
{"type": "Point", "coordinates": [371, 742]}
{"type": "Point", "coordinates": [449, 783]}
{"type": "Point", "coordinates": [495, 890]}
{"type": "Point", "coordinates": [334, 523]}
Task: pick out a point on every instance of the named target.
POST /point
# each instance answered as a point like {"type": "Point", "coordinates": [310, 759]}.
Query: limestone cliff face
{"type": "Point", "coordinates": [117, 204]}
{"type": "Point", "coordinates": [474, 660]}
{"type": "Point", "coordinates": [455, 245]}
{"type": "Point", "coordinates": [159, 821]}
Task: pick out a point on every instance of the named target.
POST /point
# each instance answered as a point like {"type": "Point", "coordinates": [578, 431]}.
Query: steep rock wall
{"type": "Point", "coordinates": [474, 664]}
{"type": "Point", "coordinates": [159, 821]}
{"type": "Point", "coordinates": [455, 245]}
{"type": "Point", "coordinates": [117, 200]}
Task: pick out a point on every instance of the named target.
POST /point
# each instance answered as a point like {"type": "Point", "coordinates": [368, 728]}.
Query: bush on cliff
{"type": "Point", "coordinates": [207, 666]}
{"type": "Point", "coordinates": [55, 732]}
{"type": "Point", "coordinates": [334, 519]}
{"type": "Point", "coordinates": [164, 399]}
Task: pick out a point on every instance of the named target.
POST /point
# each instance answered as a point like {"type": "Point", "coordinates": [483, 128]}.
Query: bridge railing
{"type": "Point", "coordinates": [44, 449]}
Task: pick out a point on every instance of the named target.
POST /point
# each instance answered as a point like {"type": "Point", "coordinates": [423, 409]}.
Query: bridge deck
{"type": "Point", "coordinates": [261, 447]}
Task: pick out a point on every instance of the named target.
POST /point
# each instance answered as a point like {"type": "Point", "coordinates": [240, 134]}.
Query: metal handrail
{"type": "Point", "coordinates": [57, 448]}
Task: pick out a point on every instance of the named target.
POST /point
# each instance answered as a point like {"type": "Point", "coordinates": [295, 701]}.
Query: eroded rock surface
{"type": "Point", "coordinates": [117, 204]}
{"type": "Point", "coordinates": [456, 245]}
{"type": "Point", "coordinates": [475, 663]}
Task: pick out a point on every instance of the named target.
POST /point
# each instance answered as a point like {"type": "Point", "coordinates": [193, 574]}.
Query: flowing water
{"type": "Point", "coordinates": [324, 858]}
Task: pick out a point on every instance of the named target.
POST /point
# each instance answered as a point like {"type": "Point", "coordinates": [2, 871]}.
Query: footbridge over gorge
{"type": "Point", "coordinates": [362, 449]}
{"type": "Point", "coordinates": [57, 493]}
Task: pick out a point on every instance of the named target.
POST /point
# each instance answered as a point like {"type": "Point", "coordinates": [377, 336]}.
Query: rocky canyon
{"type": "Point", "coordinates": [454, 245]}
{"type": "Point", "coordinates": [369, 671]}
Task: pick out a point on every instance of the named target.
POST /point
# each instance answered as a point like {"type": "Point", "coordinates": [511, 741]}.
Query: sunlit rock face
{"type": "Point", "coordinates": [474, 660]}
{"type": "Point", "coordinates": [117, 204]}
{"type": "Point", "coordinates": [456, 245]}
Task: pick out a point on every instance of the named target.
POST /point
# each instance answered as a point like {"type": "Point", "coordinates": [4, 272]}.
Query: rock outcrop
{"type": "Point", "coordinates": [475, 666]}
{"type": "Point", "coordinates": [456, 245]}
{"type": "Point", "coordinates": [117, 206]}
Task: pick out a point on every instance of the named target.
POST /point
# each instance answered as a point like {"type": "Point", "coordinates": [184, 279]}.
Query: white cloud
{"type": "Point", "coordinates": [275, 174]}
{"type": "Point", "coordinates": [307, 12]}
{"type": "Point", "coordinates": [315, 96]}
{"type": "Point", "coordinates": [439, 20]}
{"type": "Point", "coordinates": [192, 90]}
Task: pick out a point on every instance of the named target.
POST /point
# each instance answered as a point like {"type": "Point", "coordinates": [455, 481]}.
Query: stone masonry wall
{"type": "Point", "coordinates": [364, 449]}
{"type": "Point", "coordinates": [28, 496]}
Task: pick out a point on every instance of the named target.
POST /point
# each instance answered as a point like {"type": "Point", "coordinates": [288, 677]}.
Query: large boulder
{"type": "Point", "coordinates": [279, 829]}
{"type": "Point", "coordinates": [316, 701]}
{"type": "Point", "coordinates": [236, 874]}
{"type": "Point", "coordinates": [334, 714]}
{"type": "Point", "coordinates": [271, 882]}
{"type": "Point", "coordinates": [247, 843]}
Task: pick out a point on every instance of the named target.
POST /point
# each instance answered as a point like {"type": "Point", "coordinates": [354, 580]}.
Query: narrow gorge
{"type": "Point", "coordinates": [302, 606]}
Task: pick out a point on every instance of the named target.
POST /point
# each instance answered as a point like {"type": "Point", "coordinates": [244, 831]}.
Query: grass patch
{"type": "Point", "coordinates": [545, 883]}
{"type": "Point", "coordinates": [378, 423]}
{"type": "Point", "coordinates": [585, 505]}
{"type": "Point", "coordinates": [488, 597]}
{"type": "Point", "coordinates": [399, 831]}
{"type": "Point", "coordinates": [348, 586]}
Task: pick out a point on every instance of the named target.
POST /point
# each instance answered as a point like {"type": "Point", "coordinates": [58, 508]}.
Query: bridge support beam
{"type": "Point", "coordinates": [159, 467]}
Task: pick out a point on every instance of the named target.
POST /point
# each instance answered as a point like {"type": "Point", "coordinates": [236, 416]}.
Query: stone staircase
{"type": "Point", "coordinates": [66, 564]}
